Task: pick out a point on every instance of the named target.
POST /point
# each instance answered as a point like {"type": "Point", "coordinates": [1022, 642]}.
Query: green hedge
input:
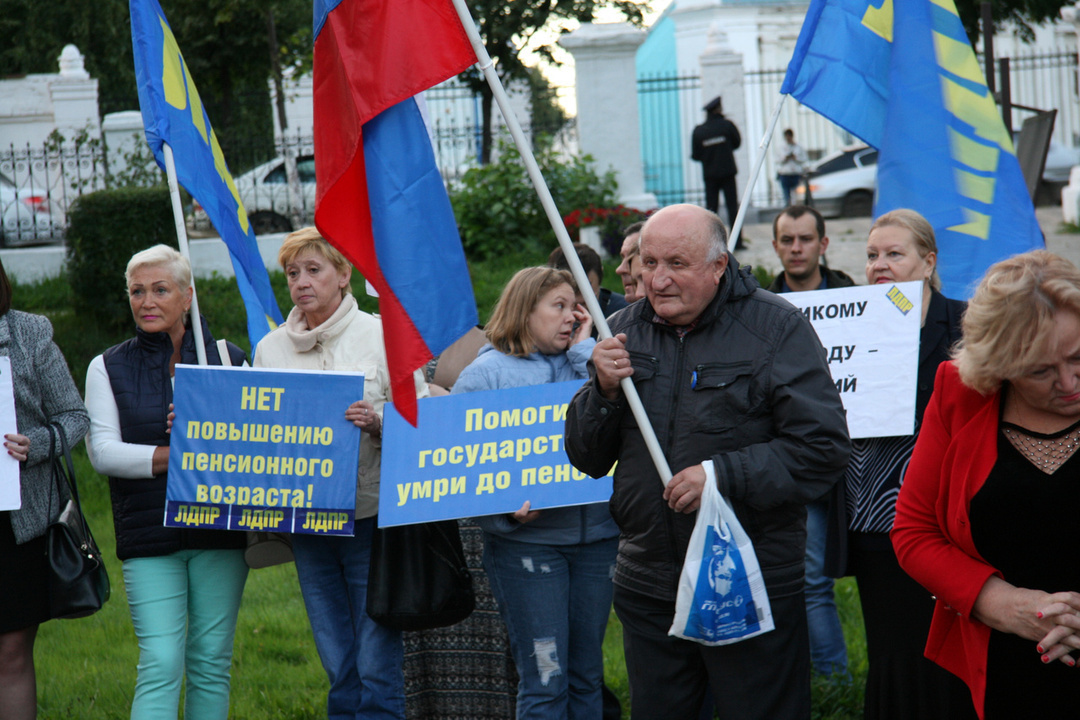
{"type": "Point", "coordinates": [498, 212]}
{"type": "Point", "coordinates": [105, 229]}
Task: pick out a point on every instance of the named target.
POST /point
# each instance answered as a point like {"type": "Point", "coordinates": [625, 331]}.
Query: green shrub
{"type": "Point", "coordinates": [499, 212]}
{"type": "Point", "coordinates": [105, 229]}
{"type": "Point", "coordinates": [764, 277]}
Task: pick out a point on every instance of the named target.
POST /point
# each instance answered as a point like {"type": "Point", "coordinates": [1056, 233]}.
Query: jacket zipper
{"type": "Point", "coordinates": [676, 393]}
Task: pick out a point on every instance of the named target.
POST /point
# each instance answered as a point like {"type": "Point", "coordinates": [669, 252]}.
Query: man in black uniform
{"type": "Point", "coordinates": [713, 144]}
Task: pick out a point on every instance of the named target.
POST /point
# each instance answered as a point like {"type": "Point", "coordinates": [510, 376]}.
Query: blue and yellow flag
{"type": "Point", "coordinates": [173, 114]}
{"type": "Point", "coordinates": [901, 75]}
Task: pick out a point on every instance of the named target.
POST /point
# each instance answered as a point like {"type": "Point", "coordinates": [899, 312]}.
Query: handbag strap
{"type": "Point", "coordinates": [63, 467]}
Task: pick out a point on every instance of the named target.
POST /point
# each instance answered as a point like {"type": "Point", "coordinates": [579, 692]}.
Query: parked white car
{"type": "Point", "coordinates": [24, 216]}
{"type": "Point", "coordinates": [264, 191]}
{"type": "Point", "coordinates": [843, 184]}
{"type": "Point", "coordinates": [1060, 160]}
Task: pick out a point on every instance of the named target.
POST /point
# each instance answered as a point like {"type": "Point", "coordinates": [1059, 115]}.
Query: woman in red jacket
{"type": "Point", "coordinates": [978, 521]}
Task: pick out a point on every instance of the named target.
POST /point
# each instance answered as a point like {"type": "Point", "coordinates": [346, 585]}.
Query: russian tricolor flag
{"type": "Point", "coordinates": [380, 199]}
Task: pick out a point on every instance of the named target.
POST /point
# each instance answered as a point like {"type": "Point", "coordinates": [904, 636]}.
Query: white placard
{"type": "Point", "coordinates": [871, 337]}
{"type": "Point", "coordinates": [10, 495]}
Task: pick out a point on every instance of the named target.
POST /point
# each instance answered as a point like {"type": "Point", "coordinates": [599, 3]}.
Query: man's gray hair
{"type": "Point", "coordinates": [717, 237]}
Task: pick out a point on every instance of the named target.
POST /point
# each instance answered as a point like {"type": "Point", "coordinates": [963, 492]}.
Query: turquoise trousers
{"type": "Point", "coordinates": [184, 609]}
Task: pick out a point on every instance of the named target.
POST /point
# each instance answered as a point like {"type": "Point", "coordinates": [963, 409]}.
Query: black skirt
{"type": "Point", "coordinates": [24, 580]}
{"type": "Point", "coordinates": [901, 683]}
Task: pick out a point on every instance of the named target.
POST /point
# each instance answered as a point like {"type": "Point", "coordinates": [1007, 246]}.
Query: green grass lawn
{"type": "Point", "coordinates": [86, 668]}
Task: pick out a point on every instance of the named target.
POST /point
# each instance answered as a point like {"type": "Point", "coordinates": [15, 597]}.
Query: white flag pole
{"type": "Point", "coordinates": [764, 146]}
{"type": "Point", "coordinates": [181, 234]}
{"type": "Point", "coordinates": [582, 280]}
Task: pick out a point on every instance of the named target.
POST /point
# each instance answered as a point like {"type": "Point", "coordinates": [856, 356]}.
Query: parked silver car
{"type": "Point", "coordinates": [24, 216]}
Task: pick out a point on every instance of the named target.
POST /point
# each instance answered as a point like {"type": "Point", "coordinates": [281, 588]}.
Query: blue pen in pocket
{"type": "Point", "coordinates": [693, 380]}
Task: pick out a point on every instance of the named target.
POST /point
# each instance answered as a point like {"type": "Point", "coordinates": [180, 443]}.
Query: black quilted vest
{"type": "Point", "coordinates": [139, 374]}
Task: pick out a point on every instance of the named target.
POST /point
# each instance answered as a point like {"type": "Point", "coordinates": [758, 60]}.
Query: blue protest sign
{"type": "Point", "coordinates": [482, 453]}
{"type": "Point", "coordinates": [256, 449]}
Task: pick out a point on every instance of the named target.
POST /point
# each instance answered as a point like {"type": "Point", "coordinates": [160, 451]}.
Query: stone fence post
{"type": "Point", "coordinates": [722, 74]}
{"type": "Point", "coordinates": [607, 104]}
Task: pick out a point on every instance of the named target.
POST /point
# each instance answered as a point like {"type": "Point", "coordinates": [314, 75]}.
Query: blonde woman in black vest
{"type": "Point", "coordinates": [183, 585]}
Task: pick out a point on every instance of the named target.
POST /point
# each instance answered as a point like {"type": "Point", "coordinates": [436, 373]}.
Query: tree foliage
{"type": "Point", "coordinates": [1021, 14]}
{"type": "Point", "coordinates": [508, 27]}
{"type": "Point", "coordinates": [499, 213]}
{"type": "Point", "coordinates": [224, 44]}
{"type": "Point", "coordinates": [34, 35]}
{"type": "Point", "coordinates": [548, 116]}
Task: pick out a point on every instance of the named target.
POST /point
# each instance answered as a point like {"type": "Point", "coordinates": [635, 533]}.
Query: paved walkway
{"type": "Point", "coordinates": [847, 243]}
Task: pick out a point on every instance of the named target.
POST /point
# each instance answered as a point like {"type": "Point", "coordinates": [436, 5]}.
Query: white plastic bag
{"type": "Point", "coordinates": [722, 597]}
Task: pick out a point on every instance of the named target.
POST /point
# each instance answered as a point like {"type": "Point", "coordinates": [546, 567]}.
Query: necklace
{"type": "Point", "coordinates": [1046, 452]}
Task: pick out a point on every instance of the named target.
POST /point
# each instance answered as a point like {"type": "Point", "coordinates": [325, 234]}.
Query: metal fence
{"type": "Point", "coordinates": [670, 107]}
{"type": "Point", "coordinates": [39, 183]}
{"type": "Point", "coordinates": [1046, 81]}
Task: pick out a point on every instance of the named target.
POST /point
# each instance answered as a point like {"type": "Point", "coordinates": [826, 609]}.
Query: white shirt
{"type": "Point", "coordinates": [109, 454]}
{"type": "Point", "coordinates": [790, 159]}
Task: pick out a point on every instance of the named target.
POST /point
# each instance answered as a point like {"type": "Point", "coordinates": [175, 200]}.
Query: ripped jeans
{"type": "Point", "coordinates": [555, 600]}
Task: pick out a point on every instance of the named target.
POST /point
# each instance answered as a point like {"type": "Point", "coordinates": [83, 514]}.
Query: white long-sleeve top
{"type": "Point", "coordinates": [109, 454]}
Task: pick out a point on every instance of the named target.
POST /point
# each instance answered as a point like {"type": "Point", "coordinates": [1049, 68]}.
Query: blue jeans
{"type": "Point", "coordinates": [787, 184]}
{"type": "Point", "coordinates": [555, 600]}
{"type": "Point", "coordinates": [184, 607]}
{"type": "Point", "coordinates": [827, 649]}
{"type": "Point", "coordinates": [362, 659]}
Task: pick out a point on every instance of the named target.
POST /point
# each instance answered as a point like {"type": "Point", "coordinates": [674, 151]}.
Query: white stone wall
{"type": "Point", "coordinates": [606, 88]}
{"type": "Point", "coordinates": [31, 107]}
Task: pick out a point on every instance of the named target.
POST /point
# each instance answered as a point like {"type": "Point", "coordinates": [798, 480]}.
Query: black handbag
{"type": "Point", "coordinates": [418, 578]}
{"type": "Point", "coordinates": [266, 549]}
{"type": "Point", "coordinates": [78, 581]}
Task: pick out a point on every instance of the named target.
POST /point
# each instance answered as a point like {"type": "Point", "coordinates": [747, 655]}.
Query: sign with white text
{"type": "Point", "coordinates": [10, 492]}
{"type": "Point", "coordinates": [871, 337]}
{"type": "Point", "coordinates": [482, 453]}
{"type": "Point", "coordinates": [267, 450]}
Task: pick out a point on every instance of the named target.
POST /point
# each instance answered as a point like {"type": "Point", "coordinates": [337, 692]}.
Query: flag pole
{"type": "Point", "coordinates": [582, 280]}
{"type": "Point", "coordinates": [181, 234]}
{"type": "Point", "coordinates": [766, 140]}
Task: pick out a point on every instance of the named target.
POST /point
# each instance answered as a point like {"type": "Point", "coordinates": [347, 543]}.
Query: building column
{"type": "Point", "coordinates": [1070, 194]}
{"type": "Point", "coordinates": [607, 104]}
{"type": "Point", "coordinates": [722, 75]}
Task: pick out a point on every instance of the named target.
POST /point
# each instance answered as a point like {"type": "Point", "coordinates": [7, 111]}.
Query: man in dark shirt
{"type": "Point", "coordinates": [740, 398]}
{"type": "Point", "coordinates": [800, 242]}
{"type": "Point", "coordinates": [610, 302]}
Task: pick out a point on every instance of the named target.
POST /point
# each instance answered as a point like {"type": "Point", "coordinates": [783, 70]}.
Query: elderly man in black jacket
{"type": "Point", "coordinates": [739, 393]}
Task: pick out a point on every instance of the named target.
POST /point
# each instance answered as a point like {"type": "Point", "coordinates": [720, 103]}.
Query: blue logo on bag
{"type": "Point", "coordinates": [723, 605]}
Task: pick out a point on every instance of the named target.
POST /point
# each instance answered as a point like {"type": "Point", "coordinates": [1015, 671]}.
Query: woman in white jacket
{"type": "Point", "coordinates": [327, 331]}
